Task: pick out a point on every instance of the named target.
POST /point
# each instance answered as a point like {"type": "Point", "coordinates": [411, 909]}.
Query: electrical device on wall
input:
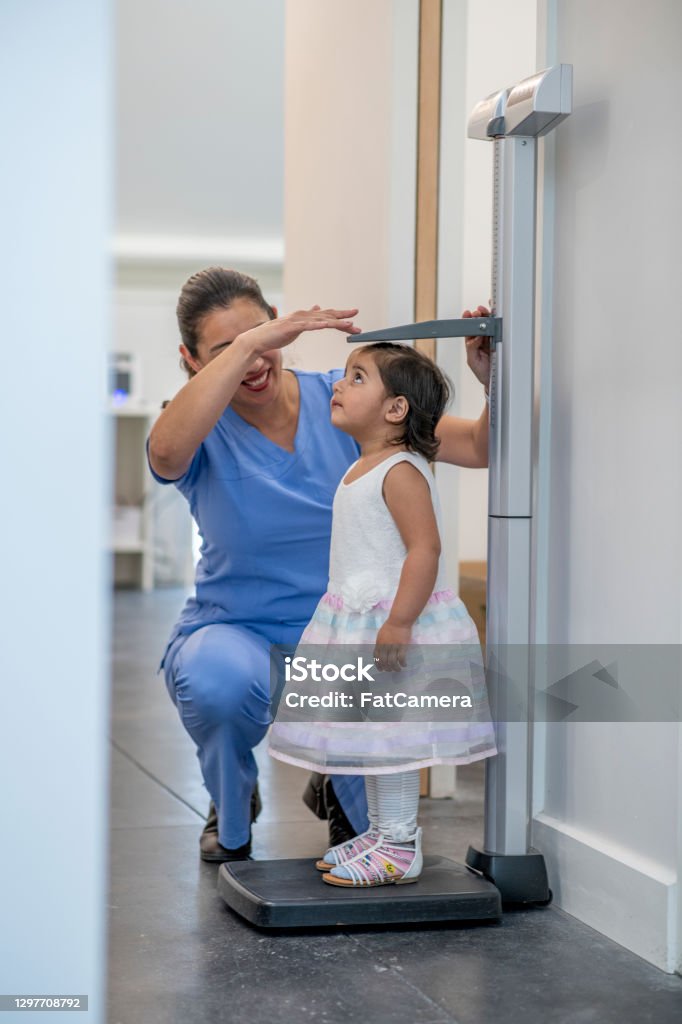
{"type": "Point", "coordinates": [286, 893]}
{"type": "Point", "coordinates": [124, 378]}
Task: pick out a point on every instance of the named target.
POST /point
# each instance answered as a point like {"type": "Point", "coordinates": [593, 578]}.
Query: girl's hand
{"type": "Point", "coordinates": [478, 349]}
{"type": "Point", "coordinates": [390, 649]}
{"type": "Point", "coordinates": [280, 332]}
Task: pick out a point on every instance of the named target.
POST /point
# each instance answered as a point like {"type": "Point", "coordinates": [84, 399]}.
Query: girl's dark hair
{"type": "Point", "coordinates": [405, 371]}
{"type": "Point", "coordinates": [208, 290]}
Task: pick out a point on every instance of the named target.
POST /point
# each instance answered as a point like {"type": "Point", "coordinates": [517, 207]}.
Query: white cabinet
{"type": "Point", "coordinates": [132, 542]}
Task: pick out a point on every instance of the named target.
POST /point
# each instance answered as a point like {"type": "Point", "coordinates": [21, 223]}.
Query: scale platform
{"type": "Point", "coordinates": [291, 894]}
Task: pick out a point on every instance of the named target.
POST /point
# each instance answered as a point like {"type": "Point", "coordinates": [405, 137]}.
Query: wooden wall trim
{"type": "Point", "coordinates": [428, 159]}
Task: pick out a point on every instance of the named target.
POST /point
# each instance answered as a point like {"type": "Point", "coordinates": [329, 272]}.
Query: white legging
{"type": "Point", "coordinates": [392, 804]}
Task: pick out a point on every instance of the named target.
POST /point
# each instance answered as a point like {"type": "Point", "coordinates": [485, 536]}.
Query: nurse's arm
{"type": "Point", "coordinates": [463, 442]}
{"type": "Point", "coordinates": [196, 409]}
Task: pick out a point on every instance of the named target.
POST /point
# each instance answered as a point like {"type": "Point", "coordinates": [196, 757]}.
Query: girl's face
{"type": "Point", "coordinates": [360, 405]}
{"type": "Point", "coordinates": [262, 381]}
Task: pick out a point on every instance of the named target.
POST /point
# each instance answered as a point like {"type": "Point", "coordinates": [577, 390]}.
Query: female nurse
{"type": "Point", "coordinates": [251, 447]}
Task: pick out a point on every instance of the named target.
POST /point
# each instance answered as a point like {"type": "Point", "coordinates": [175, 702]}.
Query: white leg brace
{"type": "Point", "coordinates": [397, 804]}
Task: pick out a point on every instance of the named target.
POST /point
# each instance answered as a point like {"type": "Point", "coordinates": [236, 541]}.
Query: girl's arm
{"type": "Point", "coordinates": [408, 497]}
{"type": "Point", "coordinates": [198, 406]}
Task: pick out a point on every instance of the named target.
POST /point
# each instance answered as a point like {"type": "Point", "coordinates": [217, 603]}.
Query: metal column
{"type": "Point", "coordinates": [531, 109]}
{"type": "Point", "coordinates": [508, 783]}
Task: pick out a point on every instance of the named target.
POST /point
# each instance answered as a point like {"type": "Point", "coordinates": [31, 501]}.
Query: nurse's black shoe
{"type": "Point", "coordinates": [214, 853]}
{"type": "Point", "coordinates": [320, 797]}
{"type": "Point", "coordinates": [340, 828]}
{"type": "Point", "coordinates": [211, 850]}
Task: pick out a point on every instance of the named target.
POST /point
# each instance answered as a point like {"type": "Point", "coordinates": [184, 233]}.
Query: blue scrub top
{"type": "Point", "coordinates": [264, 515]}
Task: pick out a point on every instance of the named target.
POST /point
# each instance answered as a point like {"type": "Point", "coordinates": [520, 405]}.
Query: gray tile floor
{"type": "Point", "coordinates": [177, 954]}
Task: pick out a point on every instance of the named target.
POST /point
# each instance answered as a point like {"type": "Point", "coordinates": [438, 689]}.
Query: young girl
{"type": "Point", "coordinates": [387, 588]}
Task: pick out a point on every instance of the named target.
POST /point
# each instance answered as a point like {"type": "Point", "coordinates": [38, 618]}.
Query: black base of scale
{"type": "Point", "coordinates": [291, 893]}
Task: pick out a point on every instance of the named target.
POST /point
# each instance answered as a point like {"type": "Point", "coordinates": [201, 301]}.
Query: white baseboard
{"type": "Point", "coordinates": [628, 898]}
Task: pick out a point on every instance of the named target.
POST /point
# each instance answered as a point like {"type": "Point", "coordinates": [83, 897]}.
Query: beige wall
{"type": "Point", "coordinates": [349, 153]}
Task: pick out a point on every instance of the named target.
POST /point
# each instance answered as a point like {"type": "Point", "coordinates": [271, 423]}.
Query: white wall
{"type": "Point", "coordinates": [199, 161]}
{"type": "Point", "coordinates": [199, 176]}
{"type": "Point", "coordinates": [56, 308]}
{"type": "Point", "coordinates": [199, 112]}
{"type": "Point", "coordinates": [613, 561]}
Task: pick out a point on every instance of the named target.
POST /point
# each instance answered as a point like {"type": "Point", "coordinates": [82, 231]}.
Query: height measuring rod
{"type": "Point", "coordinates": [512, 119]}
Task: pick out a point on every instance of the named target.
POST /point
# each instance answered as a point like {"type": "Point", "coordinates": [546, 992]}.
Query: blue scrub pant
{"type": "Point", "coordinates": [219, 680]}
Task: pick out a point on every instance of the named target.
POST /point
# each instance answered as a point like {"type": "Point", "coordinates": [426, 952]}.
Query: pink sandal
{"type": "Point", "coordinates": [336, 855]}
{"type": "Point", "coordinates": [385, 863]}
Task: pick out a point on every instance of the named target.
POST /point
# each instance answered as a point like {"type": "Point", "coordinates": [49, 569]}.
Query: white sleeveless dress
{"type": "Point", "coordinates": [366, 560]}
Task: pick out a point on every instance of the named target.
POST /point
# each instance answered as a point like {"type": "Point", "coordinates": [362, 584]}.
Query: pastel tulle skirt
{"type": "Point", "coordinates": [364, 732]}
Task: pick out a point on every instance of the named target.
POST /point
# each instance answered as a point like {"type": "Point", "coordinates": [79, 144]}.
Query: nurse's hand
{"type": "Point", "coordinates": [277, 333]}
{"type": "Point", "coordinates": [478, 348]}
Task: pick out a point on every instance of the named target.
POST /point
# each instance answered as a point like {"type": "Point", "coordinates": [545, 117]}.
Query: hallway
{"type": "Point", "coordinates": [176, 954]}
